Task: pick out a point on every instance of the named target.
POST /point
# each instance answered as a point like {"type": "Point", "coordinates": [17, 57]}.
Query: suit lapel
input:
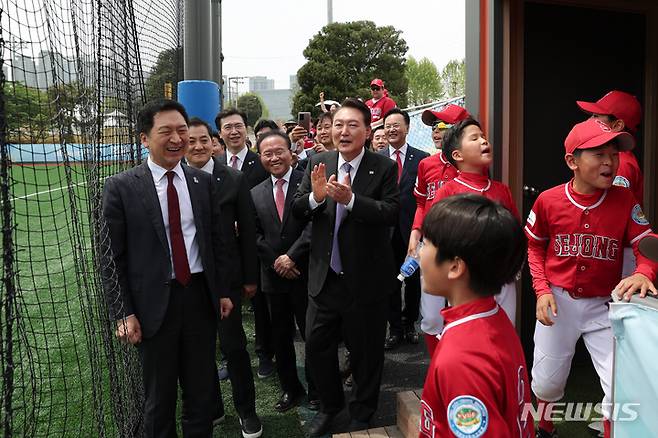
{"type": "Point", "coordinates": [365, 174]}
{"type": "Point", "coordinates": [331, 168]}
{"type": "Point", "coordinates": [293, 184]}
{"type": "Point", "coordinates": [408, 162]}
{"type": "Point", "coordinates": [146, 188]}
{"type": "Point", "coordinates": [268, 194]}
{"type": "Point", "coordinates": [192, 182]}
{"type": "Point", "coordinates": [249, 161]}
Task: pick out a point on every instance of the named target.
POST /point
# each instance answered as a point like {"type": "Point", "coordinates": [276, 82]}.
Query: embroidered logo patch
{"type": "Point", "coordinates": [621, 182]}
{"type": "Point", "coordinates": [638, 215]}
{"type": "Point", "coordinates": [532, 217]}
{"type": "Point", "coordinates": [467, 417]}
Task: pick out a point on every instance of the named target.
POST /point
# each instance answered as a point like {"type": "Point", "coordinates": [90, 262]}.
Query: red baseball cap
{"type": "Point", "coordinates": [648, 246]}
{"type": "Point", "coordinates": [593, 133]}
{"type": "Point", "coordinates": [622, 105]}
{"type": "Point", "coordinates": [377, 82]}
{"type": "Point", "coordinates": [449, 114]}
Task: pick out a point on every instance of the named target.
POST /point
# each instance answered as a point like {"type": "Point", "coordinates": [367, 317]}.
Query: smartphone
{"type": "Point", "coordinates": [304, 120]}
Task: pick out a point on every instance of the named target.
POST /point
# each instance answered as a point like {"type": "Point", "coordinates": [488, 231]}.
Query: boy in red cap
{"type": "Point", "coordinates": [477, 382]}
{"type": "Point", "coordinates": [575, 235]}
{"type": "Point", "coordinates": [380, 104]}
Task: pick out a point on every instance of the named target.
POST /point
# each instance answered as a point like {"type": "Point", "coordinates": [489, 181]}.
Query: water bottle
{"type": "Point", "coordinates": [411, 264]}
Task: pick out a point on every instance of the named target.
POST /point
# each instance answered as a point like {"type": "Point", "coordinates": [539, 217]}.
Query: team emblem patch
{"type": "Point", "coordinates": [621, 182]}
{"type": "Point", "coordinates": [467, 417]}
{"type": "Point", "coordinates": [638, 215]}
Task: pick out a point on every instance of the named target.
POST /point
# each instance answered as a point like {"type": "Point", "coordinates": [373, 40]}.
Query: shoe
{"type": "Point", "coordinates": [349, 381]}
{"type": "Point", "coordinates": [222, 372]}
{"type": "Point", "coordinates": [265, 367]}
{"type": "Point", "coordinates": [288, 401]}
{"type": "Point", "coordinates": [314, 404]}
{"type": "Point", "coordinates": [356, 425]}
{"type": "Point", "coordinates": [541, 433]}
{"type": "Point", "coordinates": [391, 342]}
{"type": "Point", "coordinates": [411, 335]}
{"type": "Point", "coordinates": [320, 424]}
{"type": "Point", "coordinates": [251, 426]}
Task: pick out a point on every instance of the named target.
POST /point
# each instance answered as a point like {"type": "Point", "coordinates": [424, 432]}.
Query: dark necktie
{"type": "Point", "coordinates": [341, 210]}
{"type": "Point", "coordinates": [178, 252]}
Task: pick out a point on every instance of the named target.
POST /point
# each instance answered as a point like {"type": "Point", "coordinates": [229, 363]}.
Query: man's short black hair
{"type": "Point", "coordinates": [150, 109]}
{"type": "Point", "coordinates": [266, 123]}
{"type": "Point", "coordinates": [481, 232]}
{"type": "Point", "coordinates": [272, 133]}
{"type": "Point", "coordinates": [195, 121]}
{"type": "Point", "coordinates": [380, 127]}
{"type": "Point", "coordinates": [227, 113]}
{"type": "Point", "coordinates": [453, 137]}
{"type": "Point", "coordinates": [215, 134]}
{"type": "Point", "coordinates": [351, 102]}
{"type": "Point", "coordinates": [579, 152]}
{"type": "Point", "coordinates": [407, 120]}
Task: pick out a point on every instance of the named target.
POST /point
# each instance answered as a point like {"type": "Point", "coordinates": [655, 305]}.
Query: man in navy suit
{"type": "Point", "coordinates": [283, 243]}
{"type": "Point", "coordinates": [164, 272]}
{"type": "Point", "coordinates": [232, 126]}
{"type": "Point", "coordinates": [351, 266]}
{"type": "Point", "coordinates": [401, 321]}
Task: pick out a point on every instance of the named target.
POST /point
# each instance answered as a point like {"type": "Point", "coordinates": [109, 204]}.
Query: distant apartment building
{"type": "Point", "coordinates": [260, 83]}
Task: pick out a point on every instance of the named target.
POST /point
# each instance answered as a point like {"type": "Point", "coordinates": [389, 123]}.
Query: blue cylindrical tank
{"type": "Point", "coordinates": [201, 99]}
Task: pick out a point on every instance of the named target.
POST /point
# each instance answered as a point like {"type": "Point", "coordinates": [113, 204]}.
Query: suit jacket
{"type": "Point", "coordinates": [406, 184]}
{"type": "Point", "coordinates": [137, 267]}
{"type": "Point", "coordinates": [252, 168]}
{"type": "Point", "coordinates": [275, 237]}
{"type": "Point", "coordinates": [239, 225]}
{"type": "Point", "coordinates": [364, 235]}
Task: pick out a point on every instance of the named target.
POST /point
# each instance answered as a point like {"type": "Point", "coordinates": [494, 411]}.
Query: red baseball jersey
{"type": "Point", "coordinates": [576, 241]}
{"type": "Point", "coordinates": [379, 109]}
{"type": "Point", "coordinates": [467, 182]}
{"type": "Point", "coordinates": [433, 172]}
{"type": "Point", "coordinates": [477, 382]}
{"type": "Point", "coordinates": [629, 175]}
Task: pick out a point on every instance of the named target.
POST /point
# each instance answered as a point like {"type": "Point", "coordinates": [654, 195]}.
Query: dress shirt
{"type": "Point", "coordinates": [286, 178]}
{"type": "Point", "coordinates": [209, 166]}
{"type": "Point", "coordinates": [340, 177]}
{"type": "Point", "coordinates": [186, 214]}
{"type": "Point", "coordinates": [241, 156]}
{"type": "Point", "coordinates": [403, 152]}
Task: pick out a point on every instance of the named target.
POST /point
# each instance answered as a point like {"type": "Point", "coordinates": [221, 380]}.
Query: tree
{"type": "Point", "coordinates": [27, 111]}
{"type": "Point", "coordinates": [344, 57]}
{"type": "Point", "coordinates": [168, 68]}
{"type": "Point", "coordinates": [453, 77]}
{"type": "Point", "coordinates": [252, 105]}
{"type": "Point", "coordinates": [424, 81]}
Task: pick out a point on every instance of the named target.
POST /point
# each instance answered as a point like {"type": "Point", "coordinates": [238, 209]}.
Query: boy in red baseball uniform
{"type": "Point", "coordinates": [576, 232]}
{"type": "Point", "coordinates": [467, 149]}
{"type": "Point", "coordinates": [477, 382]}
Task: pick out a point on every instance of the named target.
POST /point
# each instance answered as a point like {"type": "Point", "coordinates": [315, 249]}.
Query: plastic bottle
{"type": "Point", "coordinates": [411, 264]}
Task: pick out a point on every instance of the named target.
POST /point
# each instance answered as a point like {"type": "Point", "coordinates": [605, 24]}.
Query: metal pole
{"type": "Point", "coordinates": [197, 40]}
{"type": "Point", "coordinates": [217, 57]}
{"type": "Point", "coordinates": [330, 11]}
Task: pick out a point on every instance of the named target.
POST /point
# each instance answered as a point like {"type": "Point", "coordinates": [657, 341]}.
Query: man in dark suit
{"type": "Point", "coordinates": [283, 245]}
{"type": "Point", "coordinates": [232, 126]}
{"type": "Point", "coordinates": [164, 272]}
{"type": "Point", "coordinates": [406, 158]}
{"type": "Point", "coordinates": [240, 230]}
{"type": "Point", "coordinates": [351, 267]}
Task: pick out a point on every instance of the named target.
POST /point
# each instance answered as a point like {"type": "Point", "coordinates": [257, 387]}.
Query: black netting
{"type": "Point", "coordinates": [74, 74]}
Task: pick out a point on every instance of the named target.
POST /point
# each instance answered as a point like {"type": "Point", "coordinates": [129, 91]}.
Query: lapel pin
{"type": "Point", "coordinates": [219, 179]}
{"type": "Point", "coordinates": [196, 181]}
{"type": "Point", "coordinates": [372, 172]}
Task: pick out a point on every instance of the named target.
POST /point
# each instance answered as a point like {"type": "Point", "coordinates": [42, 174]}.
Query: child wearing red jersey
{"type": "Point", "coordinates": [467, 149]}
{"type": "Point", "coordinates": [477, 382]}
{"type": "Point", "coordinates": [576, 232]}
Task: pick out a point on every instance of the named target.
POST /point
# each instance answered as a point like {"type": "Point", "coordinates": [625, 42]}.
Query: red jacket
{"type": "Point", "coordinates": [379, 109]}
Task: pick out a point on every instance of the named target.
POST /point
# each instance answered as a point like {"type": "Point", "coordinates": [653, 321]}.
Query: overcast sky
{"type": "Point", "coordinates": [267, 38]}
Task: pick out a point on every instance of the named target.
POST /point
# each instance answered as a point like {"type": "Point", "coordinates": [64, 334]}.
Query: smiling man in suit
{"type": "Point", "coordinates": [164, 272]}
{"type": "Point", "coordinates": [240, 229]}
{"type": "Point", "coordinates": [406, 158]}
{"type": "Point", "coordinates": [232, 126]}
{"type": "Point", "coordinates": [351, 266]}
{"type": "Point", "coordinates": [283, 245]}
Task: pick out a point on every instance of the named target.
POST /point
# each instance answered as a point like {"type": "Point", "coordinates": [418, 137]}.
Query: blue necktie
{"type": "Point", "coordinates": [341, 210]}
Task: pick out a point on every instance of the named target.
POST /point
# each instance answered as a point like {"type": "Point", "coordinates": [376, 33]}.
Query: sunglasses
{"type": "Point", "coordinates": [375, 88]}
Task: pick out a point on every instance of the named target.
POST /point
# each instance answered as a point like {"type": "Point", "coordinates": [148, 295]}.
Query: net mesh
{"type": "Point", "coordinates": [74, 73]}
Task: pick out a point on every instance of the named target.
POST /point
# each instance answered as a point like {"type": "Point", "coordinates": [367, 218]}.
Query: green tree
{"type": "Point", "coordinates": [75, 105]}
{"type": "Point", "coordinates": [344, 57]}
{"type": "Point", "coordinates": [27, 110]}
{"type": "Point", "coordinates": [252, 105]}
{"type": "Point", "coordinates": [424, 81]}
{"type": "Point", "coordinates": [453, 77]}
{"type": "Point", "coordinates": [168, 68]}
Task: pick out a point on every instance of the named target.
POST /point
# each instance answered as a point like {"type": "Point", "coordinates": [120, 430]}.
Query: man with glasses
{"type": "Point", "coordinates": [380, 104]}
{"type": "Point", "coordinates": [402, 321]}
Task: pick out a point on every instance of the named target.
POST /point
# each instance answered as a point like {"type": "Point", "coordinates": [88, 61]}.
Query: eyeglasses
{"type": "Point", "coordinates": [278, 153]}
{"type": "Point", "coordinates": [393, 126]}
{"type": "Point", "coordinates": [375, 88]}
{"type": "Point", "coordinates": [236, 126]}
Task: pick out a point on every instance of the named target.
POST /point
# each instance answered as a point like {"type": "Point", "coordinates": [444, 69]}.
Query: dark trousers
{"type": "Point", "coordinates": [285, 309]}
{"type": "Point", "coordinates": [182, 350]}
{"type": "Point", "coordinates": [263, 326]}
{"type": "Point", "coordinates": [333, 315]}
{"type": "Point", "coordinates": [234, 348]}
{"type": "Point", "coordinates": [400, 318]}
